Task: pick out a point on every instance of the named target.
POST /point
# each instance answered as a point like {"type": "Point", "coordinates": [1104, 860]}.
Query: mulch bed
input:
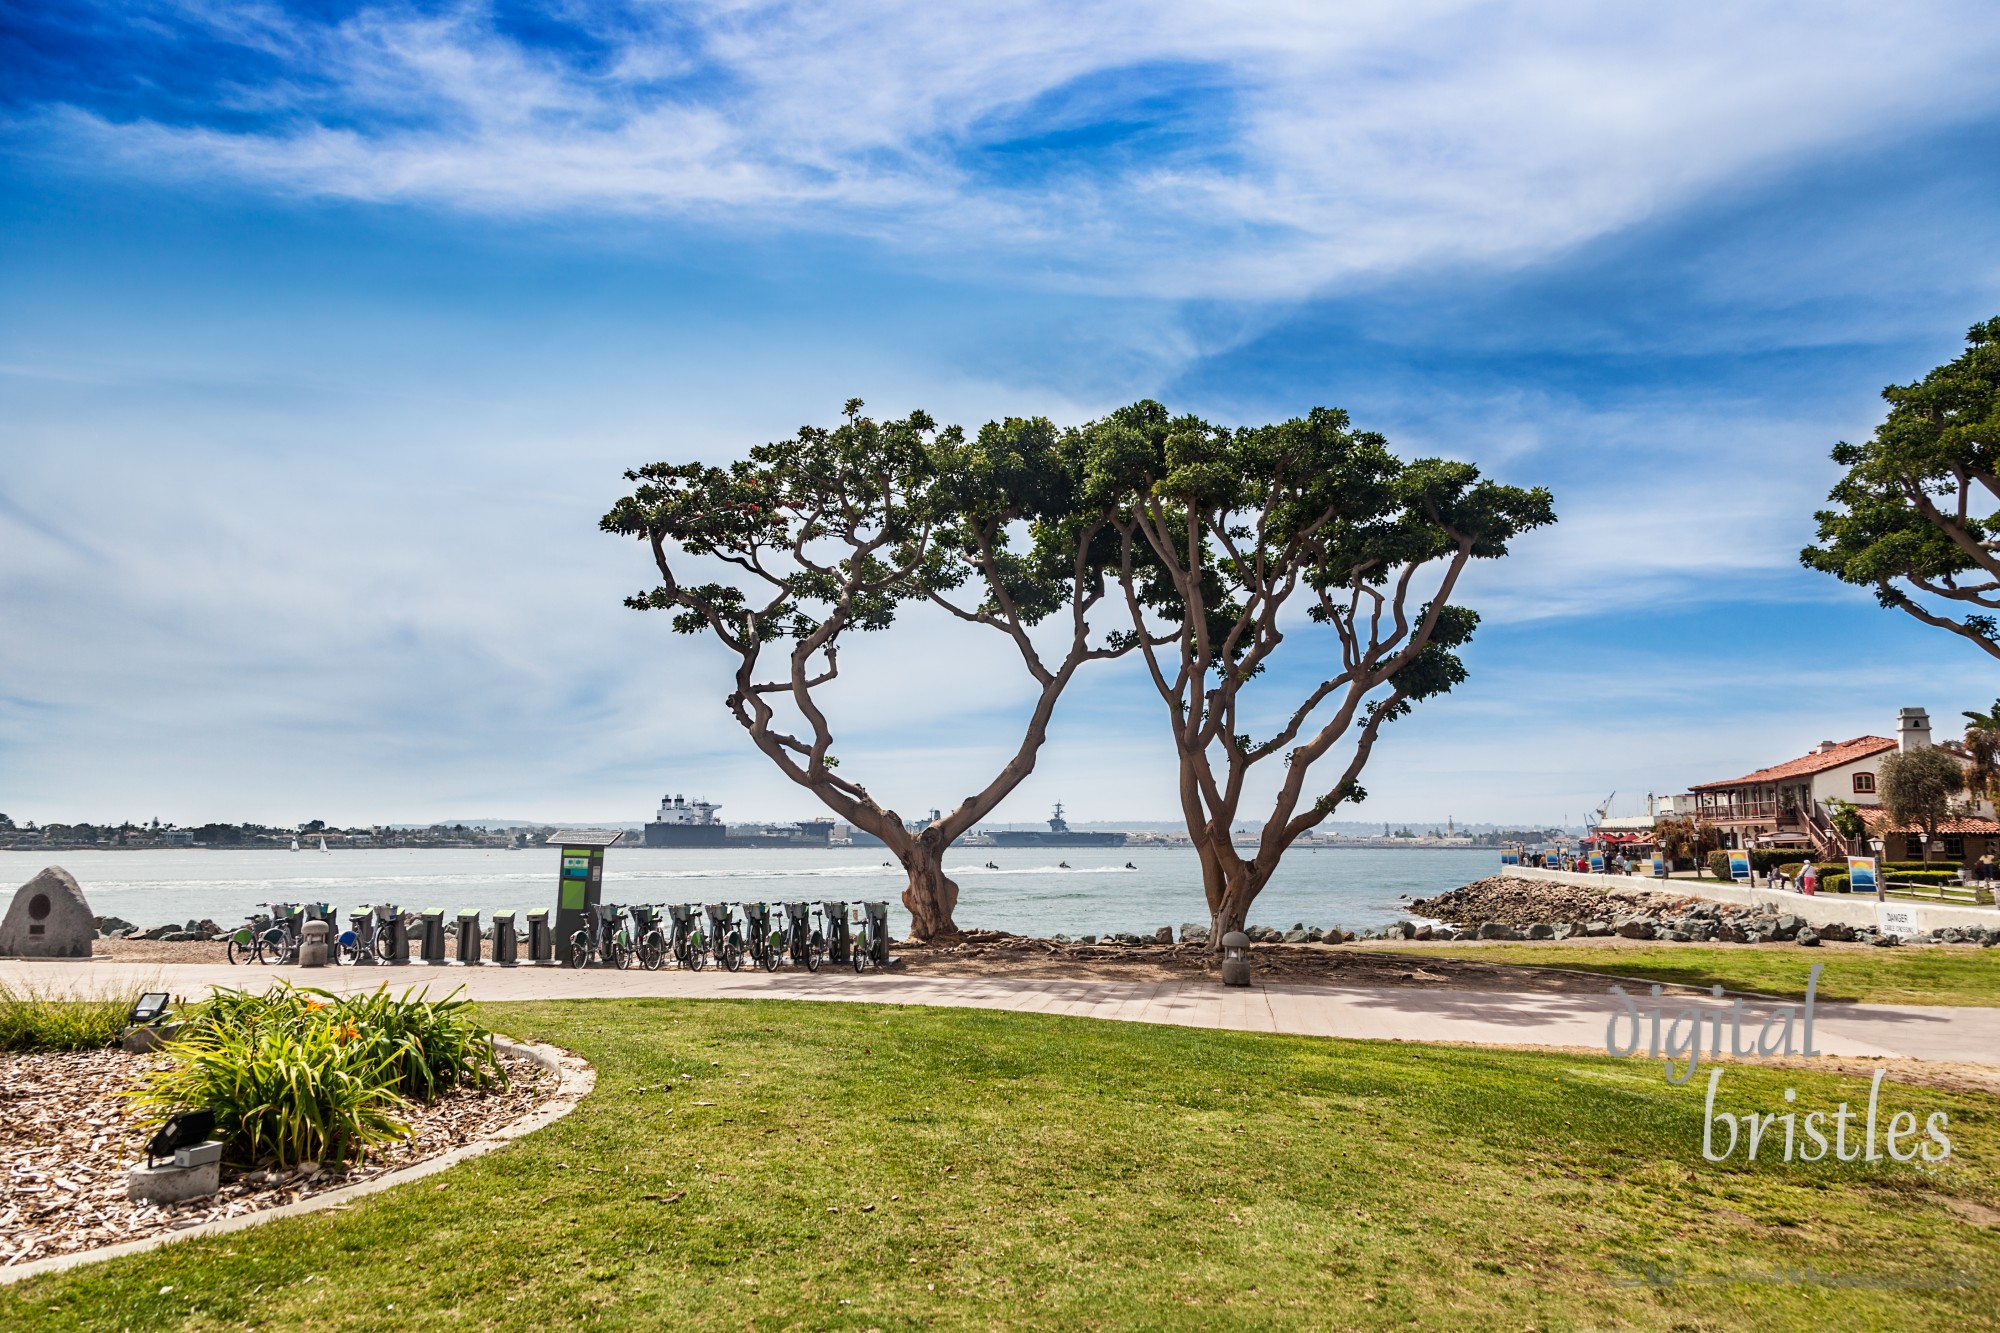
{"type": "Point", "coordinates": [67, 1137]}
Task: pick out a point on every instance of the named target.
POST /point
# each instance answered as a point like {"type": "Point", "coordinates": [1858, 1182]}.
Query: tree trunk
{"type": "Point", "coordinates": [1230, 909]}
{"type": "Point", "coordinates": [932, 895]}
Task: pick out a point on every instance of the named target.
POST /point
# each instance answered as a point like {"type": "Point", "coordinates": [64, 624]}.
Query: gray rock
{"type": "Point", "coordinates": [1786, 927]}
{"type": "Point", "coordinates": [1127, 937]}
{"type": "Point", "coordinates": [181, 936]}
{"type": "Point", "coordinates": [1885, 941]}
{"type": "Point", "coordinates": [1562, 931]}
{"type": "Point", "coordinates": [1636, 930]}
{"type": "Point", "coordinates": [1541, 930]}
{"type": "Point", "coordinates": [1807, 937]}
{"type": "Point", "coordinates": [1164, 935]}
{"type": "Point", "coordinates": [1193, 934]}
{"type": "Point", "coordinates": [48, 919]}
{"type": "Point", "coordinates": [1422, 933]}
{"type": "Point", "coordinates": [1059, 939]}
{"type": "Point", "coordinates": [1671, 936]}
{"type": "Point", "coordinates": [1315, 935]}
{"type": "Point", "coordinates": [1086, 939]}
{"type": "Point", "coordinates": [1498, 930]}
{"type": "Point", "coordinates": [1598, 928]}
{"type": "Point", "coordinates": [1296, 935]}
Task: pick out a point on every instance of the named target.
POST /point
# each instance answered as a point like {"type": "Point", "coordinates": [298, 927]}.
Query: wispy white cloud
{"type": "Point", "coordinates": [1261, 150]}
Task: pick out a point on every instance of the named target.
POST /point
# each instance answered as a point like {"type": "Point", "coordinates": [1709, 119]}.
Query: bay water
{"type": "Point", "coordinates": [1099, 890]}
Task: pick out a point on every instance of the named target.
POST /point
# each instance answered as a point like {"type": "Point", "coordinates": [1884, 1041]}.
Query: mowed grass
{"type": "Point", "coordinates": [1956, 974]}
{"type": "Point", "coordinates": [770, 1165]}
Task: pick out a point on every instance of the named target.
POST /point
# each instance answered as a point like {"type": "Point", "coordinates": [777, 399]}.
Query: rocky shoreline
{"type": "Point", "coordinates": [1502, 908]}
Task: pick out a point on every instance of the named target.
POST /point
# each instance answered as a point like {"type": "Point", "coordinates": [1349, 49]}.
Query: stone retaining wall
{"type": "Point", "coordinates": [1851, 909]}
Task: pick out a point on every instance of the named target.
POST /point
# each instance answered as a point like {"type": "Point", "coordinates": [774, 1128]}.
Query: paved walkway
{"type": "Point", "coordinates": [1969, 1035]}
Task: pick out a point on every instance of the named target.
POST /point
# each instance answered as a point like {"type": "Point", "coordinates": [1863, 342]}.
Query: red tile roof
{"type": "Point", "coordinates": [1878, 823]}
{"type": "Point", "coordinates": [1861, 747]}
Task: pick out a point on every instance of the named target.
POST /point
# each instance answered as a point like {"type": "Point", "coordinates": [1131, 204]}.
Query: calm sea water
{"type": "Point", "coordinates": [1031, 893]}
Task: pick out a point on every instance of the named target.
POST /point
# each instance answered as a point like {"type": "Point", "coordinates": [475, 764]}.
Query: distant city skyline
{"type": "Point", "coordinates": [326, 335]}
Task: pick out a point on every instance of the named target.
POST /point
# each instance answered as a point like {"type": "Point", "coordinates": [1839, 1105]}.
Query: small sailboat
{"type": "Point", "coordinates": [322, 842]}
{"type": "Point", "coordinates": [295, 844]}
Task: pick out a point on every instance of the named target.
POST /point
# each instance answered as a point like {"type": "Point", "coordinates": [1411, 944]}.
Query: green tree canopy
{"type": "Point", "coordinates": [1915, 513]}
{"type": "Point", "coordinates": [781, 555]}
{"type": "Point", "coordinates": [1917, 787]}
{"type": "Point", "coordinates": [1225, 535]}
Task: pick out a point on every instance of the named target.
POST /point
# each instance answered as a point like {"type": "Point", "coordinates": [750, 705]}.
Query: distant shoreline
{"type": "Point", "coordinates": [1379, 844]}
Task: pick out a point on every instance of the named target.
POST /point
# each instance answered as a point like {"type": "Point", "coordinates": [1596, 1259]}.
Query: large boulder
{"type": "Point", "coordinates": [48, 919]}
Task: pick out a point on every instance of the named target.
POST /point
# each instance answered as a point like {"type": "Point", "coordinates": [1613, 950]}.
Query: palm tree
{"type": "Point", "coordinates": [1982, 747]}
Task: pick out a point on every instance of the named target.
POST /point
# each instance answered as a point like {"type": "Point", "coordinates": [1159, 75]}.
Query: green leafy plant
{"type": "Point", "coordinates": [33, 1019]}
{"type": "Point", "coordinates": [295, 1074]}
{"type": "Point", "coordinates": [432, 1046]}
{"type": "Point", "coordinates": [285, 1092]}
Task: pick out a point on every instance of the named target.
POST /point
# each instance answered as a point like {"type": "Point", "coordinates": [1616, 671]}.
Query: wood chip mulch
{"type": "Point", "coordinates": [67, 1138]}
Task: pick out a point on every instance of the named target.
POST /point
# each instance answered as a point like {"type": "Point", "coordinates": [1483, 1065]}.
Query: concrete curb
{"type": "Point", "coordinates": [575, 1077]}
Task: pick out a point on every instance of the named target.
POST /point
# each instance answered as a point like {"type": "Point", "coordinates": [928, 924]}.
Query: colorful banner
{"type": "Point", "coordinates": [1657, 866]}
{"type": "Point", "coordinates": [1739, 865]}
{"type": "Point", "coordinates": [1510, 858]}
{"type": "Point", "coordinates": [1864, 874]}
{"type": "Point", "coordinates": [1597, 863]}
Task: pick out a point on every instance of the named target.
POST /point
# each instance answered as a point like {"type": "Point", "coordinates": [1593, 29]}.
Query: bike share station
{"type": "Point", "coordinates": [585, 931]}
{"type": "Point", "coordinates": [579, 886]}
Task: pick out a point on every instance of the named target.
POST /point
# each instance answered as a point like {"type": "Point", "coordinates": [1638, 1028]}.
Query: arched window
{"type": "Point", "coordinates": [1864, 782]}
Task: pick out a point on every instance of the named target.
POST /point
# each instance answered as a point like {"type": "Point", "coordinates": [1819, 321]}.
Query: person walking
{"type": "Point", "coordinates": [1808, 878]}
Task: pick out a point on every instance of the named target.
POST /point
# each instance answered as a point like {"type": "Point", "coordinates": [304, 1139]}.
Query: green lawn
{"type": "Point", "coordinates": [771, 1165]}
{"type": "Point", "coordinates": [1948, 974]}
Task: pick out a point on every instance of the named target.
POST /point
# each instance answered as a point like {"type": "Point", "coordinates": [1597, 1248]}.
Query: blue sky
{"type": "Point", "coordinates": [326, 331]}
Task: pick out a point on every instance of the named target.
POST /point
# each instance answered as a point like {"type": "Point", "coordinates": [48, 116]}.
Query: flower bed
{"type": "Point", "coordinates": [67, 1135]}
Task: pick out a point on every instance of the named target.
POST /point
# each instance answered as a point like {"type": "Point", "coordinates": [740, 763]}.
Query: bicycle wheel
{"type": "Point", "coordinates": [697, 955]}
{"type": "Point", "coordinates": [349, 951]}
{"type": "Point", "coordinates": [274, 947]}
{"type": "Point", "coordinates": [857, 954]}
{"type": "Point", "coordinates": [242, 949]}
{"type": "Point", "coordinates": [774, 953]}
{"type": "Point", "coordinates": [653, 951]}
{"type": "Point", "coordinates": [623, 952]}
{"type": "Point", "coordinates": [579, 950]}
{"type": "Point", "coordinates": [729, 951]}
{"type": "Point", "coordinates": [815, 951]}
{"type": "Point", "coordinates": [385, 948]}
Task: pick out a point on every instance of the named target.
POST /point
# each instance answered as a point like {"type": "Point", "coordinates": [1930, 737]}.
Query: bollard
{"type": "Point", "coordinates": [506, 950]}
{"type": "Point", "coordinates": [361, 925]}
{"type": "Point", "coordinates": [836, 933]}
{"type": "Point", "coordinates": [431, 946]}
{"type": "Point", "coordinates": [541, 942]}
{"type": "Point", "coordinates": [390, 927]}
{"type": "Point", "coordinates": [312, 953]}
{"type": "Point", "coordinates": [1235, 959]}
{"type": "Point", "coordinates": [468, 937]}
{"type": "Point", "coordinates": [878, 931]}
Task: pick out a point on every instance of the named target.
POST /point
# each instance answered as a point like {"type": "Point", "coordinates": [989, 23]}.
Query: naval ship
{"type": "Point", "coordinates": [685, 823]}
{"type": "Point", "coordinates": [1059, 835]}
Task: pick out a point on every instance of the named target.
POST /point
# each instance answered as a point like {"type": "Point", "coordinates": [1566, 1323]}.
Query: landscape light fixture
{"type": "Point", "coordinates": [1235, 959]}
{"type": "Point", "coordinates": [183, 1130]}
{"type": "Point", "coordinates": [151, 1007]}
